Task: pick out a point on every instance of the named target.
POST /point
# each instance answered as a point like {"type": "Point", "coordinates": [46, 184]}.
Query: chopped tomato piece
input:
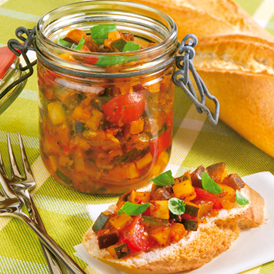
{"type": "Point", "coordinates": [208, 196]}
{"type": "Point", "coordinates": [135, 237]}
{"type": "Point", "coordinates": [124, 108]}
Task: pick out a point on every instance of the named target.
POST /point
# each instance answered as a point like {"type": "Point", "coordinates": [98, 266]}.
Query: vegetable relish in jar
{"type": "Point", "coordinates": [109, 131]}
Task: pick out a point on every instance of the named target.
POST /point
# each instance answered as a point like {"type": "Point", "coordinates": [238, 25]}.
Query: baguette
{"type": "Point", "coordinates": [195, 249]}
{"type": "Point", "coordinates": [235, 59]}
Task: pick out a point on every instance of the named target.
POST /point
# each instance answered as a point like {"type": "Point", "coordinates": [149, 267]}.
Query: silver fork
{"type": "Point", "coordinates": [22, 184]}
{"type": "Point", "coordinates": [11, 205]}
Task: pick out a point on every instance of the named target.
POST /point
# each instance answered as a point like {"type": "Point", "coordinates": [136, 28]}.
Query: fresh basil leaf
{"type": "Point", "coordinates": [133, 209]}
{"type": "Point", "coordinates": [164, 179]}
{"type": "Point", "coordinates": [80, 44]}
{"type": "Point", "coordinates": [63, 43]}
{"type": "Point", "coordinates": [100, 33]}
{"type": "Point", "coordinates": [105, 61]}
{"type": "Point", "coordinates": [241, 199]}
{"type": "Point", "coordinates": [130, 46]}
{"type": "Point", "coordinates": [209, 185]}
{"type": "Point", "coordinates": [176, 206]}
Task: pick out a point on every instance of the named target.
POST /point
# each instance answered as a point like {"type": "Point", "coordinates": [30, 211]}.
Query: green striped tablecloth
{"type": "Point", "coordinates": [64, 212]}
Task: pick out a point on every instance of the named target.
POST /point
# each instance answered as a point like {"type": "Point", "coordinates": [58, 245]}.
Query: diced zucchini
{"type": "Point", "coordinates": [119, 44]}
{"type": "Point", "coordinates": [190, 224]}
{"type": "Point", "coordinates": [147, 159]}
{"type": "Point", "coordinates": [192, 209]}
{"type": "Point", "coordinates": [159, 209]}
{"type": "Point", "coordinates": [106, 240]}
{"type": "Point", "coordinates": [56, 113]}
{"type": "Point", "coordinates": [119, 251]}
{"type": "Point", "coordinates": [100, 222]}
{"type": "Point", "coordinates": [120, 221]}
{"type": "Point", "coordinates": [128, 157]}
{"type": "Point", "coordinates": [153, 222]}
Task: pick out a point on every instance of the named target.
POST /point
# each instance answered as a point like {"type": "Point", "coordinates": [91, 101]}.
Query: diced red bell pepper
{"type": "Point", "coordinates": [208, 196]}
{"type": "Point", "coordinates": [161, 143]}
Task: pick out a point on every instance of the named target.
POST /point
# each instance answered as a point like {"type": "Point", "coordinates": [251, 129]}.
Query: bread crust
{"type": "Point", "coordinates": [239, 71]}
{"type": "Point", "coordinates": [194, 250]}
{"type": "Point", "coordinates": [204, 18]}
{"type": "Point", "coordinates": [244, 84]}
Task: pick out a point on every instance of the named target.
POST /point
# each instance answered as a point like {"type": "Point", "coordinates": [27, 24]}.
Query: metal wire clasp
{"type": "Point", "coordinates": [27, 36]}
{"type": "Point", "coordinates": [181, 78]}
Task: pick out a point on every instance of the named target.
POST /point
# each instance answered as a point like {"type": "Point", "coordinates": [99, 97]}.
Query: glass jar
{"type": "Point", "coordinates": [10, 72]}
{"type": "Point", "coordinates": [106, 128]}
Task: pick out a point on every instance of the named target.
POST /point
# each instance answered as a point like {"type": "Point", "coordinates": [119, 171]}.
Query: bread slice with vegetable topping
{"type": "Point", "coordinates": [171, 243]}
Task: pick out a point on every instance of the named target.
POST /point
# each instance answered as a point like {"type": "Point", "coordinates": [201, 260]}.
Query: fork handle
{"type": "Point", "coordinates": [68, 262]}
{"type": "Point", "coordinates": [52, 262]}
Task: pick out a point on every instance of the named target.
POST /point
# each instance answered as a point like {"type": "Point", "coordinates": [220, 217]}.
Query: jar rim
{"type": "Point", "coordinates": [169, 44]}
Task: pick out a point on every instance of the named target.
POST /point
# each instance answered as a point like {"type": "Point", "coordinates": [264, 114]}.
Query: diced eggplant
{"type": "Point", "coordinates": [100, 222]}
{"type": "Point", "coordinates": [107, 240]}
{"type": "Point", "coordinates": [190, 224]}
{"type": "Point", "coordinates": [234, 181]}
{"type": "Point", "coordinates": [184, 177]}
{"type": "Point", "coordinates": [161, 194]}
{"type": "Point", "coordinates": [196, 176]}
{"type": "Point", "coordinates": [217, 171]}
{"type": "Point", "coordinates": [123, 198]}
{"type": "Point", "coordinates": [192, 209]}
{"type": "Point", "coordinates": [152, 222]}
{"type": "Point", "coordinates": [119, 251]}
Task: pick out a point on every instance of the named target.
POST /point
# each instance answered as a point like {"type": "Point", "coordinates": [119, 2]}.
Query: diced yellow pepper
{"type": "Point", "coordinates": [56, 113]}
{"type": "Point", "coordinates": [154, 87]}
{"type": "Point", "coordinates": [159, 209]}
{"type": "Point", "coordinates": [147, 159]}
{"type": "Point", "coordinates": [135, 197]}
{"type": "Point", "coordinates": [95, 119]}
{"type": "Point", "coordinates": [178, 231]}
{"type": "Point", "coordinates": [131, 171]}
{"type": "Point", "coordinates": [54, 161]}
{"type": "Point", "coordinates": [136, 126]}
{"type": "Point", "coordinates": [228, 200]}
{"type": "Point", "coordinates": [81, 114]}
{"type": "Point", "coordinates": [161, 235]}
{"type": "Point", "coordinates": [65, 161]}
{"type": "Point", "coordinates": [184, 190]}
{"type": "Point", "coordinates": [120, 221]}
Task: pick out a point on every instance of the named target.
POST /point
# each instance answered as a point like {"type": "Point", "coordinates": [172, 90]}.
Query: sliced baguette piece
{"type": "Point", "coordinates": [239, 71]}
{"type": "Point", "coordinates": [208, 17]}
{"type": "Point", "coordinates": [194, 250]}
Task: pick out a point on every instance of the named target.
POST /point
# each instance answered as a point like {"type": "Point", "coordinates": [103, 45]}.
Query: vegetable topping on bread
{"type": "Point", "coordinates": [181, 224]}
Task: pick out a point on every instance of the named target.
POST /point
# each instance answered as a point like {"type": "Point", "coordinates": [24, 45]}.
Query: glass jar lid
{"type": "Point", "coordinates": [9, 73]}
